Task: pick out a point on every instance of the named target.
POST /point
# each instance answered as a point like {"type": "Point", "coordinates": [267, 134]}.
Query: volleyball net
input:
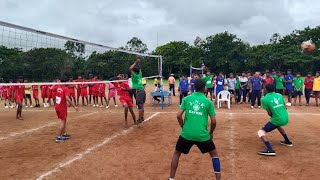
{"type": "Point", "coordinates": [42, 57]}
{"type": "Point", "coordinates": [194, 70]}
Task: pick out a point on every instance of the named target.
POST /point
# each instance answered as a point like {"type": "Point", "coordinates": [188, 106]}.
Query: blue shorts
{"type": "Point", "coordinates": [269, 127]}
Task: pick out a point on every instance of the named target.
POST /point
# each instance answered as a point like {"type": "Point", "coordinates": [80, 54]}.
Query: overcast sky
{"type": "Point", "coordinates": [114, 22]}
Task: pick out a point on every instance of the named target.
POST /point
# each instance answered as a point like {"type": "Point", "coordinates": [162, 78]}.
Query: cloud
{"type": "Point", "coordinates": [114, 22]}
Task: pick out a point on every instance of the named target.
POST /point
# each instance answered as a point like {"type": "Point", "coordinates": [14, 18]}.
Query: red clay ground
{"type": "Point", "coordinates": [28, 149]}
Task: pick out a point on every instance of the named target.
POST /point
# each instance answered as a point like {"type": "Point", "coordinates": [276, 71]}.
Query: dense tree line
{"type": "Point", "coordinates": [220, 52]}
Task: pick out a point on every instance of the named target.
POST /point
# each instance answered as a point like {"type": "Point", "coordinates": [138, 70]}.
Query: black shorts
{"type": "Point", "coordinates": [316, 93]}
{"type": "Point", "coordinates": [27, 96]}
{"type": "Point", "coordinates": [297, 93]}
{"type": "Point", "coordinates": [210, 90]}
{"type": "Point", "coordinates": [231, 92]}
{"type": "Point", "coordinates": [184, 145]}
{"type": "Point", "coordinates": [141, 96]}
{"type": "Point", "coordinates": [269, 127]}
{"type": "Point", "coordinates": [280, 91]}
{"type": "Point", "coordinates": [289, 92]}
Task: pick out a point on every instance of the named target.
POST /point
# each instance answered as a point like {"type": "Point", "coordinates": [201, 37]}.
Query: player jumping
{"type": "Point", "coordinates": [275, 106]}
{"type": "Point", "coordinates": [197, 108]}
{"type": "Point", "coordinates": [137, 86]}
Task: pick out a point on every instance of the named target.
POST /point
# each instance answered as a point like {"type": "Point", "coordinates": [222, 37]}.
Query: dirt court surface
{"type": "Point", "coordinates": [102, 148]}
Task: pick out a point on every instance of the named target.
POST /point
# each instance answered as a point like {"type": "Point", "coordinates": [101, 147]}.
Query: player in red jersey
{"type": "Point", "coordinates": [78, 89]}
{"type": "Point", "coordinates": [35, 93]}
{"type": "Point", "coordinates": [83, 91]}
{"type": "Point", "coordinates": [90, 88]}
{"type": "Point", "coordinates": [18, 96]}
{"type": "Point", "coordinates": [10, 94]}
{"type": "Point", "coordinates": [49, 95]}
{"type": "Point", "coordinates": [72, 92]}
{"type": "Point", "coordinates": [95, 92]}
{"type": "Point", "coordinates": [4, 94]}
{"type": "Point", "coordinates": [44, 89]}
{"type": "Point", "coordinates": [102, 92]}
{"type": "Point", "coordinates": [123, 92]}
{"type": "Point", "coordinates": [62, 97]}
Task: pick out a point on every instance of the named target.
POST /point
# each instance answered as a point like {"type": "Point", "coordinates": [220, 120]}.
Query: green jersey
{"type": "Point", "coordinates": [298, 83]}
{"type": "Point", "coordinates": [279, 82]}
{"type": "Point", "coordinates": [208, 80]}
{"type": "Point", "coordinates": [137, 81]}
{"type": "Point", "coordinates": [237, 83]}
{"type": "Point", "coordinates": [197, 109]}
{"type": "Point", "coordinates": [276, 105]}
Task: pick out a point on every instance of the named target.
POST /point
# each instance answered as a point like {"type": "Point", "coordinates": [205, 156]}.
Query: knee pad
{"type": "Point", "coordinates": [140, 107]}
{"type": "Point", "coordinates": [261, 133]}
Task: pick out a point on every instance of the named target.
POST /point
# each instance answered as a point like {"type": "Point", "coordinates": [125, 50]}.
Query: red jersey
{"type": "Point", "coordinates": [19, 91]}
{"type": "Point", "coordinates": [44, 88]}
{"type": "Point", "coordinates": [308, 82]}
{"type": "Point", "coordinates": [71, 86]}
{"type": "Point", "coordinates": [90, 85]}
{"type": "Point", "coordinates": [95, 87]}
{"type": "Point", "coordinates": [61, 98]}
{"type": "Point", "coordinates": [122, 88]}
{"type": "Point", "coordinates": [269, 80]}
{"type": "Point", "coordinates": [80, 86]}
{"type": "Point", "coordinates": [35, 87]}
{"type": "Point", "coordinates": [10, 90]}
{"type": "Point", "coordinates": [101, 87]}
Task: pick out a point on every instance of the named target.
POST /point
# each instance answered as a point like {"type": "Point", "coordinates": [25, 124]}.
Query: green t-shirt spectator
{"type": "Point", "coordinates": [276, 104]}
{"type": "Point", "coordinates": [298, 83]}
{"type": "Point", "coordinates": [208, 80]}
{"type": "Point", "coordinates": [237, 83]}
{"type": "Point", "coordinates": [137, 81]}
{"type": "Point", "coordinates": [197, 109]}
{"type": "Point", "coordinates": [279, 82]}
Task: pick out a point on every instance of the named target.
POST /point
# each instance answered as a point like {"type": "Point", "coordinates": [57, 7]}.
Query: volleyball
{"type": "Point", "coordinates": [307, 46]}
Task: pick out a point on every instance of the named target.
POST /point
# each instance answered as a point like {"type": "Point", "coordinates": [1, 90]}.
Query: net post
{"type": "Point", "coordinates": [161, 80]}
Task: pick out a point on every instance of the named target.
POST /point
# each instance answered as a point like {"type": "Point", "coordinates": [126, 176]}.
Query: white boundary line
{"type": "Point", "coordinates": [38, 128]}
{"type": "Point", "coordinates": [89, 150]}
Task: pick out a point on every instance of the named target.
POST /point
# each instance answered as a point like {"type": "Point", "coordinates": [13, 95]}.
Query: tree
{"type": "Point", "coordinates": [136, 45]}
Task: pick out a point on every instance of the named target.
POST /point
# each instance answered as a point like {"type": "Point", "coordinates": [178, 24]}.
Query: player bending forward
{"type": "Point", "coordinates": [123, 92]}
{"type": "Point", "coordinates": [62, 96]}
{"type": "Point", "coordinates": [197, 108]}
{"type": "Point", "coordinates": [275, 106]}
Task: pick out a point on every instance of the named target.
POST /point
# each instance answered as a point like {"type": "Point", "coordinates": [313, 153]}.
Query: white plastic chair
{"type": "Point", "coordinates": [223, 96]}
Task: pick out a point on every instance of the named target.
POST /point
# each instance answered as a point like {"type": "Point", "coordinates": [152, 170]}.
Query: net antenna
{"type": "Point", "coordinates": [192, 69]}
{"type": "Point", "coordinates": [25, 39]}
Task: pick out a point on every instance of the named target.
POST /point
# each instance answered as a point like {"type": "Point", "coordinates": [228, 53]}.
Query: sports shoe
{"type": "Point", "coordinates": [267, 153]}
{"type": "Point", "coordinates": [252, 107]}
{"type": "Point", "coordinates": [66, 136]}
{"type": "Point", "coordinates": [289, 104]}
{"type": "Point", "coordinates": [94, 105]}
{"type": "Point", "coordinates": [285, 143]}
{"type": "Point", "coordinates": [115, 105]}
{"type": "Point", "coordinates": [259, 107]}
{"type": "Point", "coordinates": [6, 107]}
{"type": "Point", "coordinates": [31, 106]}
{"type": "Point", "coordinates": [26, 106]}
{"type": "Point", "coordinates": [60, 139]}
{"type": "Point", "coordinates": [107, 107]}
{"type": "Point", "coordinates": [11, 106]}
